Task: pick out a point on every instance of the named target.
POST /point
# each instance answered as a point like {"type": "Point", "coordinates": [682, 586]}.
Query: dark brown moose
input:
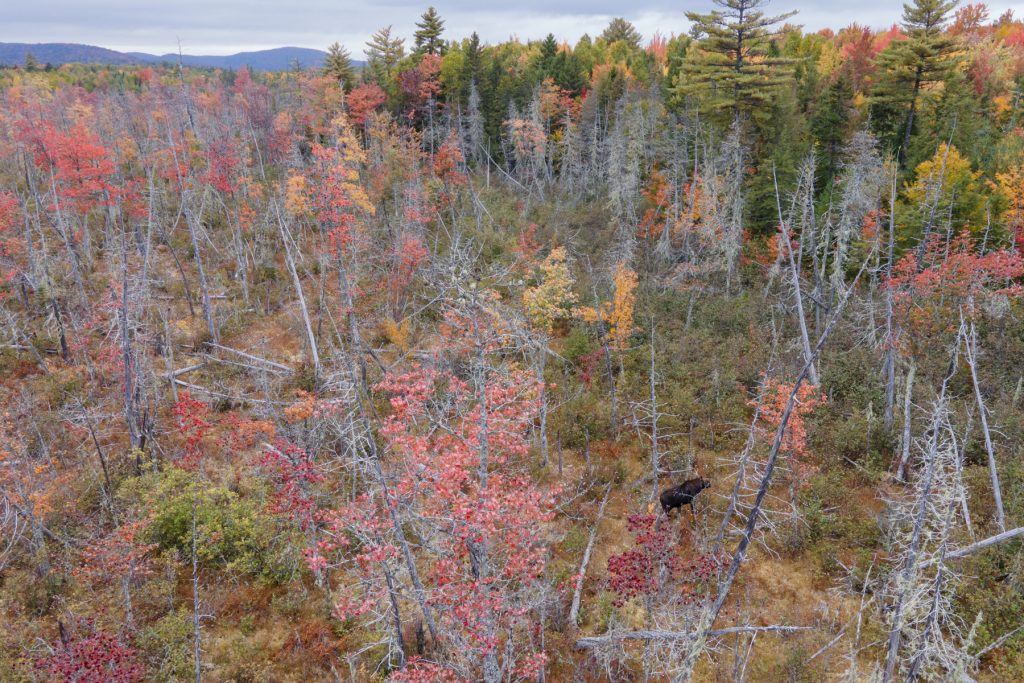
{"type": "Point", "coordinates": [683, 494]}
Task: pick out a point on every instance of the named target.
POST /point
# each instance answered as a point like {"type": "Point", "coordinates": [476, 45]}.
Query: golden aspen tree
{"type": "Point", "coordinates": [553, 297]}
{"type": "Point", "coordinates": [619, 316]}
{"type": "Point", "coordinates": [550, 300]}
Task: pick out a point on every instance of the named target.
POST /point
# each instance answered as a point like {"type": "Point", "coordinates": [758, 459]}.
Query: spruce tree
{"type": "Point", "coordinates": [736, 70]}
{"type": "Point", "coordinates": [338, 65]}
{"type": "Point", "coordinates": [621, 30]}
{"type": "Point", "coordinates": [474, 51]}
{"type": "Point", "coordinates": [830, 125]}
{"type": "Point", "coordinates": [548, 56]}
{"type": "Point", "coordinates": [428, 33]}
{"type": "Point", "coordinates": [907, 66]}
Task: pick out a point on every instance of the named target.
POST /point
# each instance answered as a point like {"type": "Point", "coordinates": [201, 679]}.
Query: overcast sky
{"type": "Point", "coordinates": [228, 26]}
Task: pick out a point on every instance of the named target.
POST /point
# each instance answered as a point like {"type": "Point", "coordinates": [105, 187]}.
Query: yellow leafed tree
{"type": "Point", "coordinates": [1011, 184]}
{"type": "Point", "coordinates": [553, 297]}
{"type": "Point", "coordinates": [295, 196]}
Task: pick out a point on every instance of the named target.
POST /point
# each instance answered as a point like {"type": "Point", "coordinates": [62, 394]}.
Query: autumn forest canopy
{"type": "Point", "coordinates": [688, 357]}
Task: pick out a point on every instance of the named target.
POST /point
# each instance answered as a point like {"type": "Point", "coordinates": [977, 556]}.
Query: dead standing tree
{"type": "Point", "coordinates": [920, 612]}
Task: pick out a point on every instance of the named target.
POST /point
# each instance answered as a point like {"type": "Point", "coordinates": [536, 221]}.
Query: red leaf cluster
{"type": "Point", "coordinates": [97, 658]}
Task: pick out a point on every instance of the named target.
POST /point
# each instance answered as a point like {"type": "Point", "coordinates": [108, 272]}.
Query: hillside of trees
{"type": "Point", "coordinates": [380, 373]}
{"type": "Point", "coordinates": [50, 55]}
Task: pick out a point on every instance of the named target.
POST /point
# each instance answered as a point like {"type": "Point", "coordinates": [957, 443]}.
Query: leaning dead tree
{"type": "Point", "coordinates": [581, 575]}
{"type": "Point", "coordinates": [971, 353]}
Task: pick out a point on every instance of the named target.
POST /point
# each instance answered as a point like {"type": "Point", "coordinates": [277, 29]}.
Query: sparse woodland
{"type": "Point", "coordinates": [377, 373]}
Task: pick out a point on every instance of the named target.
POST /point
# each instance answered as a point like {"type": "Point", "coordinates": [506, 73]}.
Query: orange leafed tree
{"type": "Point", "coordinates": [775, 395]}
{"type": "Point", "coordinates": [619, 315]}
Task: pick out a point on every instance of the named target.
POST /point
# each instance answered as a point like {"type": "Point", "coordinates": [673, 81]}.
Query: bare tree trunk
{"type": "Point", "coordinates": [193, 223]}
{"type": "Point", "coordinates": [207, 306]}
{"type": "Point", "coordinates": [911, 564]}
{"type": "Point", "coordinates": [922, 247]}
{"type": "Point", "coordinates": [542, 408]}
{"type": "Point", "coordinates": [610, 368]}
{"type": "Point", "coordinates": [109, 487]}
{"type": "Point", "coordinates": [169, 345]}
{"type": "Point", "coordinates": [972, 351]}
{"type": "Point", "coordinates": [396, 615]}
{"type": "Point", "coordinates": [577, 595]}
{"type": "Point", "coordinates": [64, 230]}
{"type": "Point", "coordinates": [65, 351]}
{"type": "Point", "coordinates": [126, 351]}
{"type": "Point", "coordinates": [241, 260]}
{"type": "Point", "coordinates": [310, 337]}
{"type": "Point", "coordinates": [611, 386]}
{"type": "Point", "coordinates": [910, 567]}
{"type": "Point", "coordinates": [795, 277]}
{"type": "Point", "coordinates": [960, 453]}
{"type": "Point", "coordinates": [890, 342]}
{"type": "Point", "coordinates": [936, 604]}
{"type": "Point", "coordinates": [655, 456]}
{"type": "Point", "coordinates": [480, 376]}
{"type": "Point", "coordinates": [907, 414]}
{"type": "Point", "coordinates": [985, 543]}
{"type": "Point", "coordinates": [419, 591]}
{"type": "Point", "coordinates": [196, 629]}
{"type": "Point", "coordinates": [740, 478]}
{"type": "Point", "coordinates": [410, 563]}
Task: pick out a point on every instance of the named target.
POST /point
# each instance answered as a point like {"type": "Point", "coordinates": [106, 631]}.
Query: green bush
{"type": "Point", "coordinates": [231, 532]}
{"type": "Point", "coordinates": [166, 646]}
{"type": "Point", "coordinates": [577, 344]}
{"type": "Point", "coordinates": [854, 439]}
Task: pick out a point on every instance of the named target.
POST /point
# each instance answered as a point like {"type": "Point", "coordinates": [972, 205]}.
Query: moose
{"type": "Point", "coordinates": [683, 494]}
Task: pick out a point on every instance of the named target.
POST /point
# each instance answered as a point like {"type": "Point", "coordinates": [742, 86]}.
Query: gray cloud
{"type": "Point", "coordinates": [227, 26]}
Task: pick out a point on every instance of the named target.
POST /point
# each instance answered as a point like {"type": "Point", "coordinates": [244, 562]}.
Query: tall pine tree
{"type": "Point", "coordinates": [428, 33]}
{"type": "Point", "coordinates": [735, 69]}
{"type": "Point", "coordinates": [909, 66]}
{"type": "Point", "coordinates": [621, 30]}
{"type": "Point", "coordinates": [383, 52]}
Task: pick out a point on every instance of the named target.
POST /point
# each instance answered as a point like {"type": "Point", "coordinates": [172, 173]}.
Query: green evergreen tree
{"type": "Point", "coordinates": [338, 65]}
{"type": "Point", "coordinates": [31, 63]}
{"type": "Point", "coordinates": [621, 30]}
{"type": "Point", "coordinates": [959, 115]}
{"type": "Point", "coordinates": [568, 73]}
{"type": "Point", "coordinates": [736, 69]}
{"type": "Point", "coordinates": [907, 66]}
{"type": "Point", "coordinates": [428, 33]}
{"type": "Point", "coordinates": [778, 149]}
{"type": "Point", "coordinates": [548, 56]}
{"type": "Point", "coordinates": [472, 70]}
{"type": "Point", "coordinates": [585, 54]}
{"type": "Point", "coordinates": [830, 127]}
{"type": "Point", "coordinates": [474, 57]}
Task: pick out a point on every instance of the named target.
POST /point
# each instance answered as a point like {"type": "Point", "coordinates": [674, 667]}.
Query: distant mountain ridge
{"type": "Point", "coordinates": [276, 59]}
